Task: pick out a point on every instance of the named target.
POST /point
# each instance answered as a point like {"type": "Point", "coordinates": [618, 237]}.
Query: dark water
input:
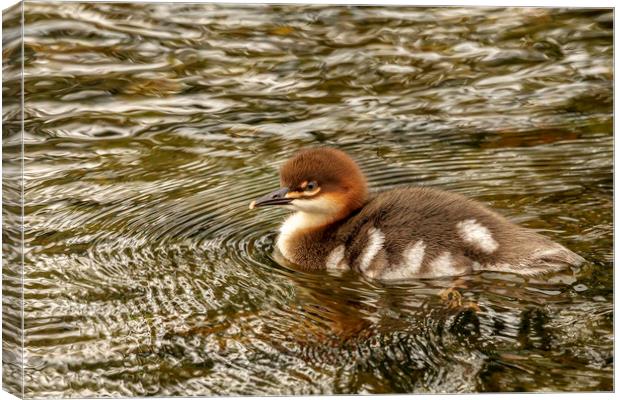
{"type": "Point", "coordinates": [149, 128]}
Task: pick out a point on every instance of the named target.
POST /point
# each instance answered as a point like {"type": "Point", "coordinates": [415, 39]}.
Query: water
{"type": "Point", "coordinates": [150, 127]}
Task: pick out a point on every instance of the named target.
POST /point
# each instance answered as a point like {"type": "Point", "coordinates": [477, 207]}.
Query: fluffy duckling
{"type": "Point", "coordinates": [409, 232]}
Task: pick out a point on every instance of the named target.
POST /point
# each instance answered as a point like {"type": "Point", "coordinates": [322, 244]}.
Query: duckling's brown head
{"type": "Point", "coordinates": [319, 180]}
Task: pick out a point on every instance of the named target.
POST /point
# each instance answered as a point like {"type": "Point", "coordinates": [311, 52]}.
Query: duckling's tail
{"type": "Point", "coordinates": [553, 260]}
{"type": "Point", "coordinates": [543, 256]}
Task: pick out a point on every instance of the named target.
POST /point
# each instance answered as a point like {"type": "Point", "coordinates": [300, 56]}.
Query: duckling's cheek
{"type": "Point", "coordinates": [302, 205]}
{"type": "Point", "coordinates": [294, 205]}
{"type": "Point", "coordinates": [315, 206]}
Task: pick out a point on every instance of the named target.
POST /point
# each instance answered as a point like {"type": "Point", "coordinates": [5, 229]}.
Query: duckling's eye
{"type": "Point", "coordinates": [311, 186]}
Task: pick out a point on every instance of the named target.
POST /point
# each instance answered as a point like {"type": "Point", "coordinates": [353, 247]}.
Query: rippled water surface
{"type": "Point", "coordinates": [149, 128]}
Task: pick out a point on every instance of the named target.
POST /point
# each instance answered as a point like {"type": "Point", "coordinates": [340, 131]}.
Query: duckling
{"type": "Point", "coordinates": [403, 233]}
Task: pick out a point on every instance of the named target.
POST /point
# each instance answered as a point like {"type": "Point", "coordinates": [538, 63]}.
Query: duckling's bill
{"type": "Point", "coordinates": [277, 197]}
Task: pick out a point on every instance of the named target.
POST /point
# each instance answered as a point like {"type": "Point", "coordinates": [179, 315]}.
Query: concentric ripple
{"type": "Point", "coordinates": [150, 127]}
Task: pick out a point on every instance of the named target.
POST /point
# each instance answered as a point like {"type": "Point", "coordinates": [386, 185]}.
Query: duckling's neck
{"type": "Point", "coordinates": [296, 227]}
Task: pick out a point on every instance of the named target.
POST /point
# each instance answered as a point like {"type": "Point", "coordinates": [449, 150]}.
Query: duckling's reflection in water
{"type": "Point", "coordinates": [327, 311]}
{"type": "Point", "coordinates": [343, 306]}
{"type": "Point", "coordinates": [342, 322]}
